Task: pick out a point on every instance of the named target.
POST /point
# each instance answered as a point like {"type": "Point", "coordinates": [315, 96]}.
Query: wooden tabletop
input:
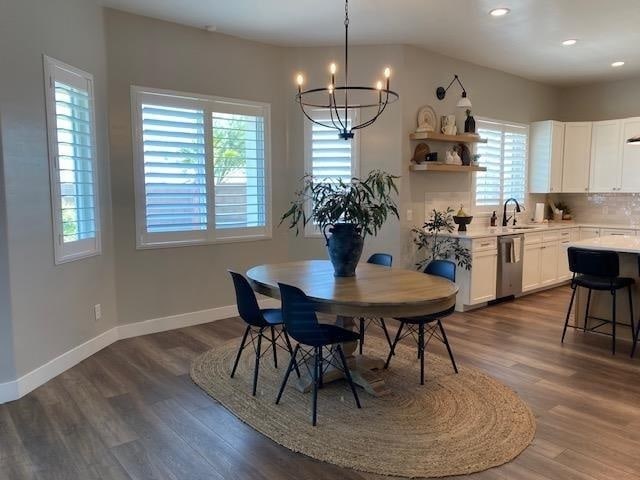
{"type": "Point", "coordinates": [375, 291]}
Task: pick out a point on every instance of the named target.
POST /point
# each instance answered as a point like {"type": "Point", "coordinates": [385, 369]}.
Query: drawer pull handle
{"type": "Point", "coordinates": [486, 244]}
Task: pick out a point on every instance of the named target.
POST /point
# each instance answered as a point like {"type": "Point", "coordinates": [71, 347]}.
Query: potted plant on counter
{"type": "Point", "coordinates": [349, 210]}
{"type": "Point", "coordinates": [434, 237]}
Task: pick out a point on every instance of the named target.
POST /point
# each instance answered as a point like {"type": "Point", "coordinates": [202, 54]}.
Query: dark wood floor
{"type": "Point", "coordinates": [131, 410]}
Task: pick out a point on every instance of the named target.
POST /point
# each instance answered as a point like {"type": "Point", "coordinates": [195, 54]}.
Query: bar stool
{"type": "Point", "coordinates": [637, 332]}
{"type": "Point", "coordinates": [384, 260]}
{"type": "Point", "coordinates": [598, 270]}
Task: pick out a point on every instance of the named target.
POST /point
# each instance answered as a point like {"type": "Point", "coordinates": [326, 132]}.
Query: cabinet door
{"type": "Point", "coordinates": [577, 153]}
{"type": "Point", "coordinates": [563, 261]}
{"type": "Point", "coordinates": [606, 156]}
{"type": "Point", "coordinates": [545, 166]}
{"type": "Point", "coordinates": [630, 157]}
{"type": "Point", "coordinates": [483, 277]}
{"type": "Point", "coordinates": [549, 263]}
{"type": "Point", "coordinates": [557, 156]}
{"type": "Point", "coordinates": [586, 233]}
{"type": "Point", "coordinates": [531, 267]}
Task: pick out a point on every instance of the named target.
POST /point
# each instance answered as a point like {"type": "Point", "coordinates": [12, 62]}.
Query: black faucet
{"type": "Point", "coordinates": [505, 219]}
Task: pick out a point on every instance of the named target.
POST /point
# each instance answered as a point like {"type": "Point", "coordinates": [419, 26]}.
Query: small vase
{"type": "Point", "coordinates": [345, 248]}
{"type": "Point", "coordinates": [470, 123]}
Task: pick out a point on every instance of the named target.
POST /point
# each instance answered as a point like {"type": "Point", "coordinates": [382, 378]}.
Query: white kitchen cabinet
{"type": "Point", "coordinates": [549, 263]}
{"type": "Point", "coordinates": [606, 156]}
{"type": "Point", "coordinates": [588, 232]}
{"type": "Point", "coordinates": [483, 277]}
{"type": "Point", "coordinates": [576, 157]}
{"type": "Point", "coordinates": [531, 267]}
{"type": "Point", "coordinates": [630, 156]}
{"type": "Point", "coordinates": [563, 261]}
{"type": "Point", "coordinates": [617, 231]}
{"type": "Point", "coordinates": [547, 150]}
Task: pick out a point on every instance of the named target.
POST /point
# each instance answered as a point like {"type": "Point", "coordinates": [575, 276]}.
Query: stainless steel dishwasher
{"type": "Point", "coordinates": [510, 254]}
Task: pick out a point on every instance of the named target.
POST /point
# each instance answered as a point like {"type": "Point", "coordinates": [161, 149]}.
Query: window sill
{"type": "Point", "coordinates": [196, 243]}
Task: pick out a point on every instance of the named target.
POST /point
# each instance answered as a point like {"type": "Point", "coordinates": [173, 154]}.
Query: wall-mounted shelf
{"type": "Point", "coordinates": [443, 167]}
{"type": "Point", "coordinates": [441, 137]}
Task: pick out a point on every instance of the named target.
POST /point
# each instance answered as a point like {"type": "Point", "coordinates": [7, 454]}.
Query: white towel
{"type": "Point", "coordinates": [515, 250]}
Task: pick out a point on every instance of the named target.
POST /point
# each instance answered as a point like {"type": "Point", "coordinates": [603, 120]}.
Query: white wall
{"type": "Point", "coordinates": [52, 306]}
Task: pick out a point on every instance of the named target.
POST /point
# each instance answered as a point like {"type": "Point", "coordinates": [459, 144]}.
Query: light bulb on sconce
{"type": "Point", "coordinates": [299, 81]}
{"type": "Point", "coordinates": [332, 69]}
{"type": "Point", "coordinates": [387, 72]}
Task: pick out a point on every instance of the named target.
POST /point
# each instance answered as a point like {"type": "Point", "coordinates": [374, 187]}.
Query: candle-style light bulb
{"type": "Point", "coordinates": [330, 88]}
{"type": "Point", "coordinates": [387, 72]}
{"type": "Point", "coordinates": [299, 81]}
{"type": "Point", "coordinates": [332, 69]}
{"type": "Point", "coordinates": [379, 85]}
{"type": "Point", "coordinates": [379, 88]}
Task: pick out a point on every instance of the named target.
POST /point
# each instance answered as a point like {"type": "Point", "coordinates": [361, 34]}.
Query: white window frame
{"type": "Point", "coordinates": [210, 104]}
{"type": "Point", "coordinates": [311, 230]}
{"type": "Point", "coordinates": [487, 210]}
{"type": "Point", "coordinates": [89, 247]}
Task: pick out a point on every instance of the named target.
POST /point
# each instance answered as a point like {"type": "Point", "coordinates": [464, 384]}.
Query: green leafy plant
{"type": "Point", "coordinates": [438, 246]}
{"type": "Point", "coordinates": [365, 203]}
{"type": "Point", "coordinates": [566, 209]}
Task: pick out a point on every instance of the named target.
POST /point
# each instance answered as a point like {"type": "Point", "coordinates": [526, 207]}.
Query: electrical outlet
{"type": "Point", "coordinates": [409, 215]}
{"type": "Point", "coordinates": [97, 311]}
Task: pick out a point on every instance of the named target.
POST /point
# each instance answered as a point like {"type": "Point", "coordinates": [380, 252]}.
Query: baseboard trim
{"type": "Point", "coordinates": [16, 389]}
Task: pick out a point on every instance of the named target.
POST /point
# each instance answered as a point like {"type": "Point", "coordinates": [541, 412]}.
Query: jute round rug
{"type": "Point", "coordinates": [452, 425]}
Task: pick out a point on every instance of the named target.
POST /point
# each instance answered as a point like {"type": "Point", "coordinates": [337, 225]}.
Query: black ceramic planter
{"type": "Point", "coordinates": [345, 248]}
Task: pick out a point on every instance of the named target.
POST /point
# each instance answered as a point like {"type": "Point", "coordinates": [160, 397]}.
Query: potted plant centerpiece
{"type": "Point", "coordinates": [348, 210]}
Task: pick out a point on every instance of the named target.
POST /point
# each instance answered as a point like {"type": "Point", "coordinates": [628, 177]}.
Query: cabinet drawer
{"type": "Point", "coordinates": [531, 238]}
{"type": "Point", "coordinates": [616, 231]}
{"type": "Point", "coordinates": [481, 244]}
{"type": "Point", "coordinates": [588, 232]}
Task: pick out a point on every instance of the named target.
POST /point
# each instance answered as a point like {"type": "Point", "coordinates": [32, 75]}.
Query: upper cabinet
{"type": "Point", "coordinates": [630, 178]}
{"type": "Point", "coordinates": [547, 150]}
{"type": "Point", "coordinates": [577, 153]}
{"type": "Point", "coordinates": [606, 158]}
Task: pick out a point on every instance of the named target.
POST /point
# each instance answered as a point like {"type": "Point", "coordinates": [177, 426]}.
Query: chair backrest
{"type": "Point", "coordinates": [442, 268]}
{"type": "Point", "coordinates": [383, 259]}
{"type": "Point", "coordinates": [248, 308]}
{"type": "Point", "coordinates": [298, 314]}
{"type": "Point", "coordinates": [598, 263]}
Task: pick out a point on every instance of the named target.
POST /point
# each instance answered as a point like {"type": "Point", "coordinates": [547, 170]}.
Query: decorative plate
{"type": "Point", "coordinates": [427, 119]}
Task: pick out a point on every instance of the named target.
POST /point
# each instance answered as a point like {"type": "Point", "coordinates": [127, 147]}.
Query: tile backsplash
{"type": "Point", "coordinates": [605, 208]}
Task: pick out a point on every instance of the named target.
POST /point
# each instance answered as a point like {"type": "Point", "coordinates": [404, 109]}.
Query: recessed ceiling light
{"type": "Point", "coordinates": [617, 64]}
{"type": "Point", "coordinates": [569, 42]}
{"type": "Point", "coordinates": [499, 12]}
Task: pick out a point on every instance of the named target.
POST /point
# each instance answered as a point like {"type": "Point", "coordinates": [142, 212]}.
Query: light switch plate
{"type": "Point", "coordinates": [97, 311]}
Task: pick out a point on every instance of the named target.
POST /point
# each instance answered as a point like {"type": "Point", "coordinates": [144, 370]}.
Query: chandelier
{"type": "Point", "coordinates": [376, 100]}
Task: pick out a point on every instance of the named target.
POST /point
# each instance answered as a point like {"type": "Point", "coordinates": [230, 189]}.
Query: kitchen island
{"type": "Point", "coordinates": [628, 248]}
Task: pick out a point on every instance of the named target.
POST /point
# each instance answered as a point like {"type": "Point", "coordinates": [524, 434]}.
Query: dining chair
{"type": "Point", "coordinates": [430, 325]}
{"type": "Point", "coordinates": [258, 322]}
{"type": "Point", "coordinates": [302, 324]}
{"type": "Point", "coordinates": [384, 260]}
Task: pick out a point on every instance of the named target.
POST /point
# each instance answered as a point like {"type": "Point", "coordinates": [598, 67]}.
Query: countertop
{"type": "Point", "coordinates": [616, 243]}
{"type": "Point", "coordinates": [488, 232]}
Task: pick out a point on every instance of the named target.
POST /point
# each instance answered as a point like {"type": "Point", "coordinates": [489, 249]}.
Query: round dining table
{"type": "Point", "coordinates": [374, 292]}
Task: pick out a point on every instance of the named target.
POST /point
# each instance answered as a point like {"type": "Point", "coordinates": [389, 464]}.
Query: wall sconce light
{"type": "Point", "coordinates": [464, 101]}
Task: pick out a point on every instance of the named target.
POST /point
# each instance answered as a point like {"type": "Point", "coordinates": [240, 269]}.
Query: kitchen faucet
{"type": "Point", "coordinates": [505, 219]}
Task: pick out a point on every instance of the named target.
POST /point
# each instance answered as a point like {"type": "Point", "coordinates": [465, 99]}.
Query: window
{"type": "Point", "coordinates": [72, 161]}
{"type": "Point", "coordinates": [202, 168]}
{"type": "Point", "coordinates": [328, 157]}
{"type": "Point", "coordinates": [505, 157]}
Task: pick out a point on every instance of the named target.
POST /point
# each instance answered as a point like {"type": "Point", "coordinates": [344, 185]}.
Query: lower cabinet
{"type": "Point", "coordinates": [478, 285]}
{"type": "Point", "coordinates": [549, 263]}
{"type": "Point", "coordinates": [531, 263]}
{"type": "Point", "coordinates": [545, 261]}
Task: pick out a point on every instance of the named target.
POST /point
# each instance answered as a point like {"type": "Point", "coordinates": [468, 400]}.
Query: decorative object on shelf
{"type": "Point", "coordinates": [565, 209]}
{"type": "Point", "coordinates": [432, 157]}
{"type": "Point", "coordinates": [452, 157]}
{"type": "Point", "coordinates": [464, 101]}
{"type": "Point", "coordinates": [325, 98]}
{"type": "Point", "coordinates": [469, 123]}
{"type": "Point", "coordinates": [439, 246]}
{"type": "Point", "coordinates": [464, 153]}
{"type": "Point", "coordinates": [634, 140]}
{"type": "Point", "coordinates": [427, 119]}
{"type": "Point", "coordinates": [421, 153]}
{"type": "Point", "coordinates": [348, 210]}
{"type": "Point", "coordinates": [448, 125]}
{"type": "Point", "coordinates": [462, 219]}
{"type": "Point", "coordinates": [476, 160]}
{"type": "Point", "coordinates": [494, 219]}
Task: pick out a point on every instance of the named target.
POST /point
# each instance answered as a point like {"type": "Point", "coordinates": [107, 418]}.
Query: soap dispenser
{"type": "Point", "coordinates": [494, 219]}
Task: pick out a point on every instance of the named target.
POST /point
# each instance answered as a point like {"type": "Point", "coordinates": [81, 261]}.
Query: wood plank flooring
{"type": "Point", "coordinates": [132, 412]}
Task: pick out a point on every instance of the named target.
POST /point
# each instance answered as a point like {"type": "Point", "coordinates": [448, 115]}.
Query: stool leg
{"type": "Point", "coordinates": [446, 343]}
{"type": "Point", "coordinates": [421, 351]}
{"type": "Point", "coordinates": [566, 320]}
{"type": "Point", "coordinates": [386, 332]}
{"type": "Point", "coordinates": [320, 368]}
{"type": "Point", "coordinates": [242, 345]}
{"type": "Point", "coordinates": [292, 362]}
{"type": "Point", "coordinates": [635, 342]}
{"type": "Point", "coordinates": [347, 374]}
{"type": "Point", "coordinates": [586, 312]}
{"type": "Point", "coordinates": [613, 323]}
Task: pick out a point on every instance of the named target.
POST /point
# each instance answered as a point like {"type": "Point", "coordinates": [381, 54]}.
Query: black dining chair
{"type": "Point", "coordinates": [430, 325]}
{"type": "Point", "coordinates": [384, 260]}
{"type": "Point", "coordinates": [302, 324]}
{"type": "Point", "coordinates": [598, 270]}
{"type": "Point", "coordinates": [258, 322]}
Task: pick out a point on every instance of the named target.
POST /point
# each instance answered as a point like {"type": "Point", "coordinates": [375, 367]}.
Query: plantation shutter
{"type": "Point", "coordinates": [331, 157]}
{"type": "Point", "coordinates": [239, 169]}
{"type": "Point", "coordinates": [71, 130]}
{"type": "Point", "coordinates": [175, 180]}
{"type": "Point", "coordinates": [505, 158]}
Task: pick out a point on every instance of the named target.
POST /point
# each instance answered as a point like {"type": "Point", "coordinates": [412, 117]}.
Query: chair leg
{"type": "Point", "coordinates": [586, 312]}
{"type": "Point", "coordinates": [362, 324]}
{"type": "Point", "coordinates": [421, 351]}
{"type": "Point", "coordinates": [244, 339]}
{"type": "Point", "coordinates": [393, 345]}
{"type": "Point", "coordinates": [347, 374]}
{"type": "Point", "coordinates": [292, 362]}
{"type": "Point", "coordinates": [386, 332]}
{"type": "Point", "coordinates": [314, 406]}
{"type": "Point", "coordinates": [446, 344]}
{"type": "Point", "coordinates": [566, 320]}
{"type": "Point", "coordinates": [288, 342]}
{"type": "Point", "coordinates": [257, 367]}
{"type": "Point", "coordinates": [320, 368]}
{"type": "Point", "coordinates": [273, 345]}
{"type": "Point", "coordinates": [613, 323]}
{"type": "Point", "coordinates": [635, 342]}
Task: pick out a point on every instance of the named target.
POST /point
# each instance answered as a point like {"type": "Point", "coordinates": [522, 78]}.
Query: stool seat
{"type": "Point", "coordinates": [602, 283]}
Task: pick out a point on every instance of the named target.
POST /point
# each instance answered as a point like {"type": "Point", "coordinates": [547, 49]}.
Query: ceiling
{"type": "Point", "coordinates": [527, 42]}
